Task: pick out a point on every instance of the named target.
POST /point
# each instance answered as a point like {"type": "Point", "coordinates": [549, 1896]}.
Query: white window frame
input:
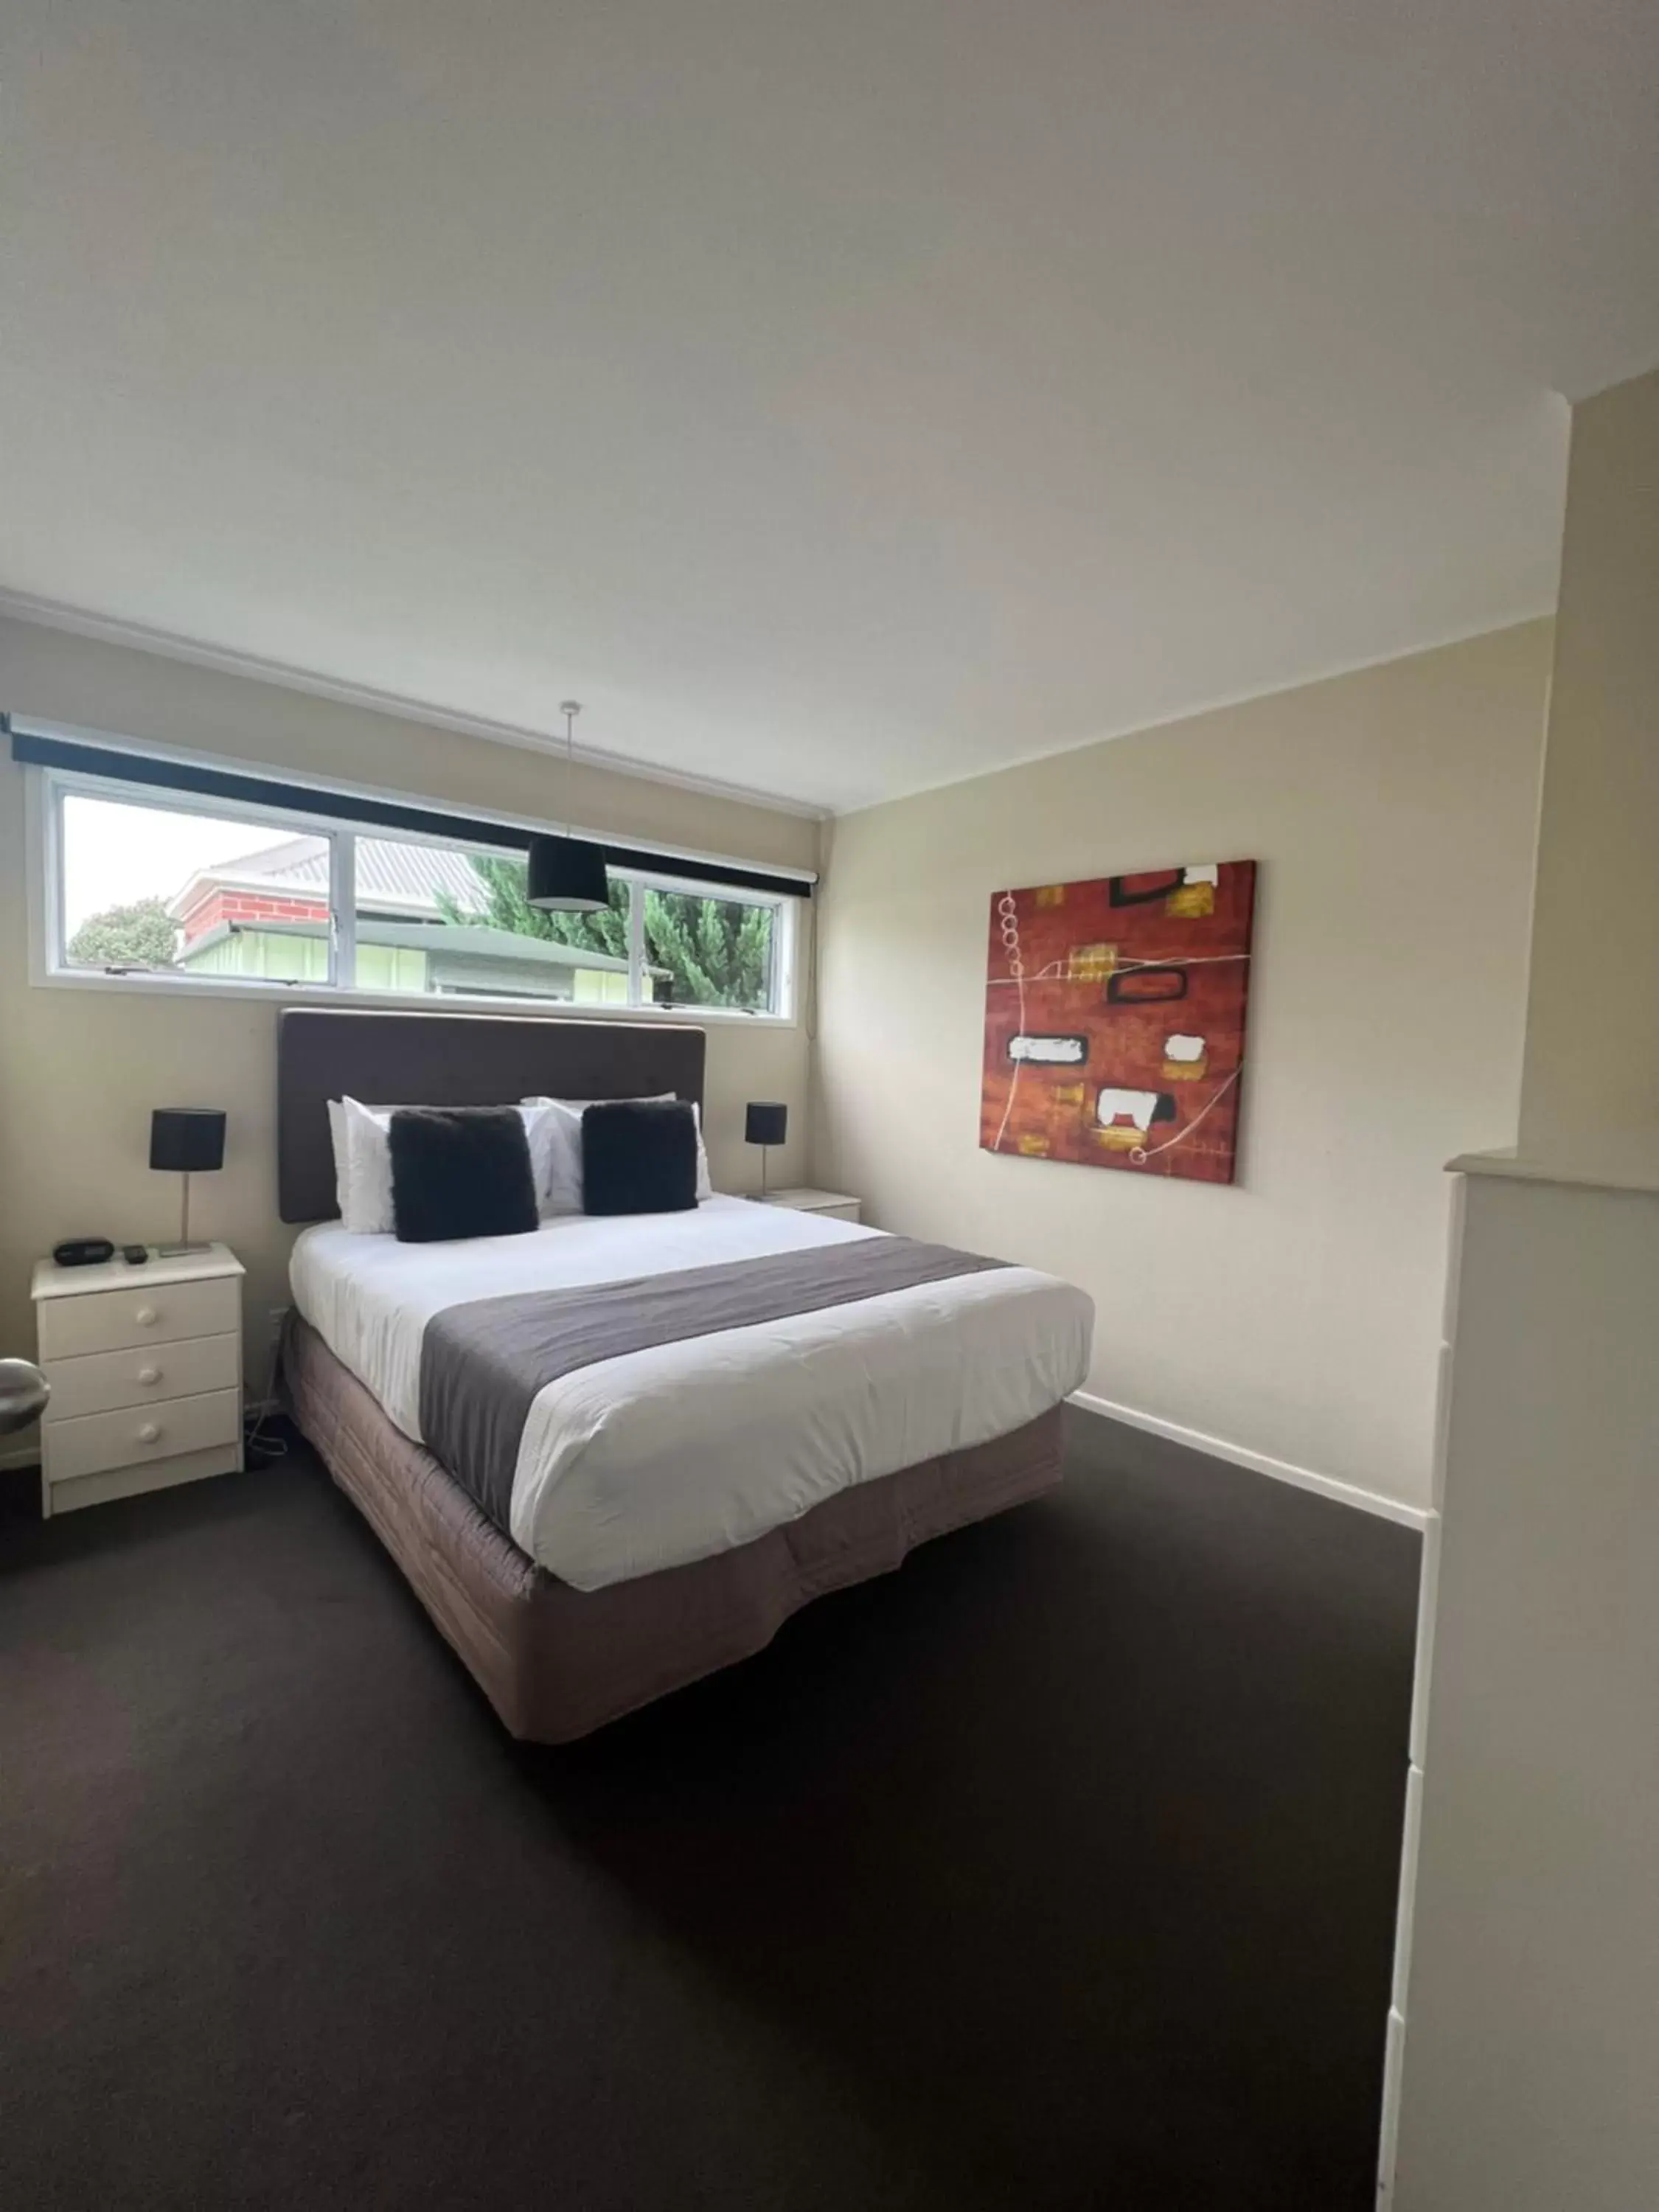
{"type": "Point", "coordinates": [784, 912]}
{"type": "Point", "coordinates": [48, 936]}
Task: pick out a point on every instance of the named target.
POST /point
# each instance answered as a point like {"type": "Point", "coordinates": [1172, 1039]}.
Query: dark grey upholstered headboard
{"type": "Point", "coordinates": [452, 1059]}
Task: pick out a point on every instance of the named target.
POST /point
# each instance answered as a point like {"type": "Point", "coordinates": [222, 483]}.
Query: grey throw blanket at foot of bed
{"type": "Point", "coordinates": [484, 1364]}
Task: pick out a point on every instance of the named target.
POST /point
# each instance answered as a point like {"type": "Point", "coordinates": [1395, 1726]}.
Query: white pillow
{"type": "Point", "coordinates": [366, 1206]}
{"type": "Point", "coordinates": [559, 1189]}
{"type": "Point", "coordinates": [362, 1162]}
{"type": "Point", "coordinates": [566, 1173]}
{"type": "Point", "coordinates": [337, 1137]}
{"type": "Point", "coordinates": [704, 1181]}
{"type": "Point", "coordinates": [545, 1138]}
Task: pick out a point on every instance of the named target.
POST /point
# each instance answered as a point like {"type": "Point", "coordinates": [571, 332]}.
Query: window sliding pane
{"type": "Point", "coordinates": [709, 951]}
{"type": "Point", "coordinates": [192, 895]}
{"type": "Point", "coordinates": [438, 920]}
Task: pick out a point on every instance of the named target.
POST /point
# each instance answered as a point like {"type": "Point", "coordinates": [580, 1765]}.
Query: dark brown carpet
{"type": "Point", "coordinates": [1056, 1871]}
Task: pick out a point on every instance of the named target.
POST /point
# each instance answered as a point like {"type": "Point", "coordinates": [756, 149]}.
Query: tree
{"type": "Point", "coordinates": [718, 952]}
{"type": "Point", "coordinates": [141, 935]}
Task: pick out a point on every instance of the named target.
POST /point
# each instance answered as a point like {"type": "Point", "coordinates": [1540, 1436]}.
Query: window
{"type": "Point", "coordinates": [154, 885]}
{"type": "Point", "coordinates": [709, 951]}
{"type": "Point", "coordinates": [187, 893]}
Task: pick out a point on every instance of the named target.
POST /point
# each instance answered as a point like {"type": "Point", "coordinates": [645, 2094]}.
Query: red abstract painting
{"type": "Point", "coordinates": [1114, 1020]}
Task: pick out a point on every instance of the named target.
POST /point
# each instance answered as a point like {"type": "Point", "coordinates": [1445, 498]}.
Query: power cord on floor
{"type": "Point", "coordinates": [255, 1444]}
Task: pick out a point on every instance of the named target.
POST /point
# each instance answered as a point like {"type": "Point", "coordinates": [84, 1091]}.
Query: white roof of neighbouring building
{"type": "Point", "coordinates": [388, 872]}
{"type": "Point", "coordinates": [410, 874]}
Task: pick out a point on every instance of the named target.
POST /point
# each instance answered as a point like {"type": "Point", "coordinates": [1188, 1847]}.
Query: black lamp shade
{"type": "Point", "coordinates": [764, 1124]}
{"type": "Point", "coordinates": [187, 1140]}
{"type": "Point", "coordinates": [566, 876]}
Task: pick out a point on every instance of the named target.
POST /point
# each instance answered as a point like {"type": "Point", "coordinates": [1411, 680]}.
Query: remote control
{"type": "Point", "coordinates": [134, 1254]}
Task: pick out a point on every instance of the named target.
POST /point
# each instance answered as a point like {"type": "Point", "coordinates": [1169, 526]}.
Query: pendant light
{"type": "Point", "coordinates": [567, 874]}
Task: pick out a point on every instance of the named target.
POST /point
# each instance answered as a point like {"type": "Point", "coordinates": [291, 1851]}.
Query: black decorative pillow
{"type": "Point", "coordinates": [460, 1171]}
{"type": "Point", "coordinates": [640, 1156]}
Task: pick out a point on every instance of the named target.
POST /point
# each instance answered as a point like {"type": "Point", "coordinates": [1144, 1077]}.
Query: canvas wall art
{"type": "Point", "coordinates": [1114, 1020]}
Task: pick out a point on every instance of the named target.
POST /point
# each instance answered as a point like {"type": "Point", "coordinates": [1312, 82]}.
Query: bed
{"type": "Point", "coordinates": [762, 1405]}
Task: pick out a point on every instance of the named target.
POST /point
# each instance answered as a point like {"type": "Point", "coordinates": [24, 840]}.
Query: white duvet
{"type": "Point", "coordinates": [672, 1454]}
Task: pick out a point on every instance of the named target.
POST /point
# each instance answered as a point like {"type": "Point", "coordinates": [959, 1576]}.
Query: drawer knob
{"type": "Point", "coordinates": [150, 1374]}
{"type": "Point", "coordinates": [145, 1316]}
{"type": "Point", "coordinates": [148, 1432]}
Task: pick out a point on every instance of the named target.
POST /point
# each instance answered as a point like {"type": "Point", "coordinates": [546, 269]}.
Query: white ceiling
{"type": "Point", "coordinates": [839, 399]}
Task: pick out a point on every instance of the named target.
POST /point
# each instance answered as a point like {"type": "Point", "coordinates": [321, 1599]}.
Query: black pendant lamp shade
{"type": "Point", "coordinates": [566, 876]}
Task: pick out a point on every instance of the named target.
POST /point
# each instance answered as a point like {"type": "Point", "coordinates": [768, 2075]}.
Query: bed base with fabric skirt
{"type": "Point", "coordinates": [557, 1662]}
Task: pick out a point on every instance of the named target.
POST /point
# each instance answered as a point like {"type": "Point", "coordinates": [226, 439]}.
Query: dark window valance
{"type": "Point", "coordinates": [235, 788]}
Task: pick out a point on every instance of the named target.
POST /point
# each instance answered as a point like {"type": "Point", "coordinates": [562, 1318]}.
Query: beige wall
{"type": "Point", "coordinates": [1393, 811]}
{"type": "Point", "coordinates": [1591, 1084]}
{"type": "Point", "coordinates": [80, 1069]}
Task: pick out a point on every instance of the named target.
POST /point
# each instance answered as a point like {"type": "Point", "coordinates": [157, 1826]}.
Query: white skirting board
{"type": "Point", "coordinates": [1304, 1478]}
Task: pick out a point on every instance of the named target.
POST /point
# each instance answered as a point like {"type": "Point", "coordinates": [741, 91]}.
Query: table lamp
{"type": "Point", "coordinates": [764, 1124]}
{"type": "Point", "coordinates": [186, 1140]}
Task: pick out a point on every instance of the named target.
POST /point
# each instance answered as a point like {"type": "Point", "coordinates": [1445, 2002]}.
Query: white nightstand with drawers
{"type": "Point", "coordinates": [835, 1203]}
{"type": "Point", "coordinates": [145, 1364]}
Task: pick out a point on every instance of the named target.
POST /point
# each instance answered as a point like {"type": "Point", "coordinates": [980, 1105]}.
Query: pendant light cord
{"type": "Point", "coordinates": [569, 709]}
